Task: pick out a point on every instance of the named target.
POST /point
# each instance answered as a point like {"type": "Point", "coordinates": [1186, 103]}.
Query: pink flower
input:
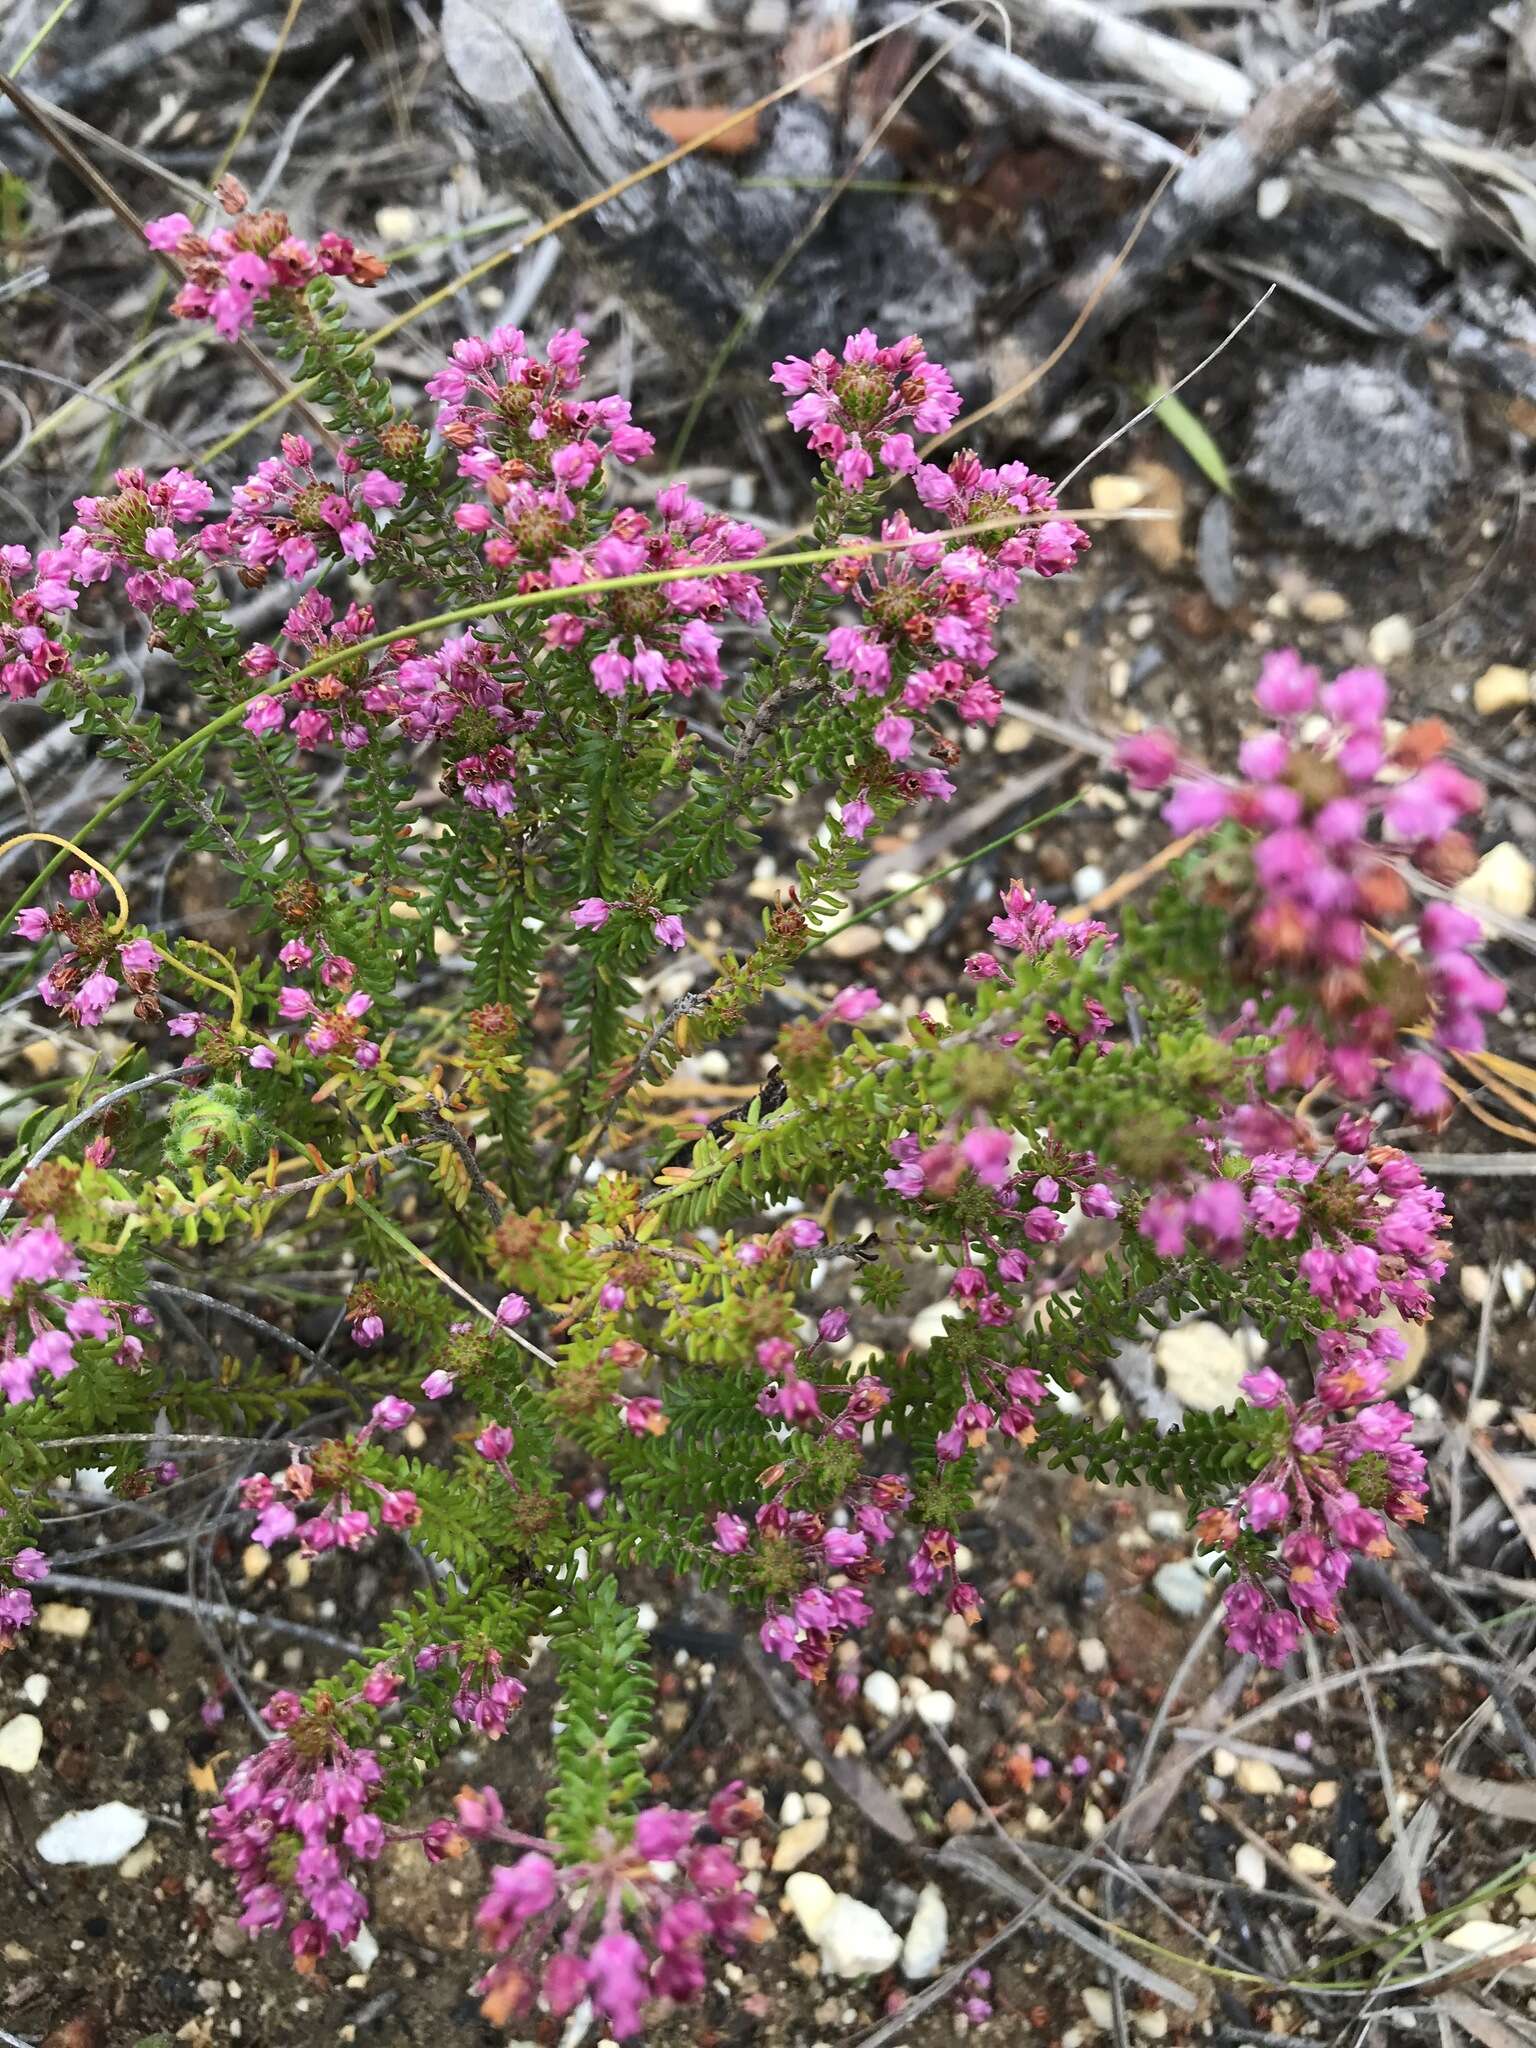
{"type": "Point", "coordinates": [380, 491]}
{"type": "Point", "coordinates": [668, 931]}
{"type": "Point", "coordinates": [592, 911]}
{"type": "Point", "coordinates": [1148, 759]}
{"type": "Point", "coordinates": [510, 1310]}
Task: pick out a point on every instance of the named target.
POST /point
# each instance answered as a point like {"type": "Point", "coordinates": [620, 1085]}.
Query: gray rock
{"type": "Point", "coordinates": [1182, 1588]}
{"type": "Point", "coordinates": [1359, 450]}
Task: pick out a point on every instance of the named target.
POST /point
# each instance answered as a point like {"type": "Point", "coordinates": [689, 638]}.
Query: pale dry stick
{"type": "Point", "coordinates": [186, 188]}
{"type": "Point", "coordinates": [185, 1603]}
{"type": "Point", "coordinates": [1190, 77]}
{"type": "Point", "coordinates": [244, 1316]}
{"type": "Point", "coordinates": [1064, 111]}
{"type": "Point", "coordinates": [1303, 108]}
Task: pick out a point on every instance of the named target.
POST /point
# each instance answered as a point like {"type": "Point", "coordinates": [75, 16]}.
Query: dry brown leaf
{"type": "Point", "coordinates": [687, 124]}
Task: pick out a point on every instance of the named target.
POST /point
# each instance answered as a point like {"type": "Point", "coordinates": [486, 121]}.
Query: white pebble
{"type": "Point", "coordinates": [21, 1744]}
{"type": "Point", "coordinates": [927, 1936]}
{"type": "Point", "coordinates": [796, 1843]}
{"type": "Point", "coordinates": [1261, 1779]}
{"type": "Point", "coordinates": [1093, 1656]}
{"type": "Point", "coordinates": [159, 1720]}
{"type": "Point", "coordinates": [1309, 1861]}
{"type": "Point", "coordinates": [1203, 1366]}
{"type": "Point", "coordinates": [58, 1618]}
{"type": "Point", "coordinates": [1250, 1866]}
{"type": "Point", "coordinates": [882, 1694]}
{"type": "Point", "coordinates": [855, 1940]}
{"type": "Point", "coordinates": [34, 1688]}
{"type": "Point", "coordinates": [811, 1900]}
{"type": "Point", "coordinates": [1088, 881]}
{"type": "Point", "coordinates": [93, 1835]}
{"type": "Point", "coordinates": [935, 1709]}
{"type": "Point", "coordinates": [1390, 640]}
{"type": "Point", "coordinates": [1503, 879]}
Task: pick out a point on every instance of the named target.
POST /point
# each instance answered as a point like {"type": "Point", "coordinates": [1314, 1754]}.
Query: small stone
{"type": "Point", "coordinates": [1390, 640]}
{"type": "Point", "coordinates": [1152, 2026]}
{"type": "Point", "coordinates": [1309, 1861]}
{"type": "Point", "coordinates": [1115, 493]}
{"type": "Point", "coordinates": [923, 1950]}
{"type": "Point", "coordinates": [1474, 1285]}
{"type": "Point", "coordinates": [21, 1744]}
{"type": "Point", "coordinates": [159, 1720]}
{"type": "Point", "coordinates": [34, 1688]}
{"type": "Point", "coordinates": [1223, 1763]}
{"type": "Point", "coordinates": [854, 942]}
{"type": "Point", "coordinates": [855, 1940]}
{"type": "Point", "coordinates": [139, 1861]}
{"type": "Point", "coordinates": [1519, 1283]}
{"type": "Point", "coordinates": [1272, 198]}
{"type": "Point", "coordinates": [1501, 688]}
{"type": "Point", "coordinates": [1098, 2005]}
{"type": "Point", "coordinates": [796, 1843]}
{"type": "Point", "coordinates": [850, 1741]}
{"type": "Point", "coordinates": [792, 1810]}
{"type": "Point", "coordinates": [93, 1835]}
{"type": "Point", "coordinates": [58, 1618]}
{"type": "Point", "coordinates": [882, 1695]}
{"type": "Point", "coordinates": [811, 1899]}
{"type": "Point", "coordinates": [1324, 1793]}
{"type": "Point", "coordinates": [1483, 1937]}
{"type": "Point", "coordinates": [1166, 1524]}
{"type": "Point", "coordinates": [1088, 881]}
{"type": "Point", "coordinates": [935, 1709]}
{"type": "Point", "coordinates": [364, 1951]}
{"type": "Point", "coordinates": [1203, 1366]}
{"type": "Point", "coordinates": [1261, 1779]}
{"type": "Point", "coordinates": [1324, 607]}
{"type": "Point", "coordinates": [1250, 1867]}
{"type": "Point", "coordinates": [1181, 1588]}
{"type": "Point", "coordinates": [961, 1818]}
{"type": "Point", "coordinates": [1092, 1655]}
{"type": "Point", "coordinates": [1504, 879]}
{"type": "Point", "coordinates": [255, 1562]}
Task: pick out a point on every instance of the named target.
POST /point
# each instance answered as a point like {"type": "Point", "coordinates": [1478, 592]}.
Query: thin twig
{"type": "Point", "coordinates": [185, 1603]}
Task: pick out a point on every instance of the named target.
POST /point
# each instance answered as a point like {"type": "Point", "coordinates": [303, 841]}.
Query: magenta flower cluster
{"type": "Point", "coordinates": [24, 1569]}
{"type": "Point", "coordinates": [297, 1819]}
{"type": "Point", "coordinates": [230, 271]}
{"type": "Point", "coordinates": [45, 1314]}
{"type": "Point", "coordinates": [632, 1923]}
{"type": "Point", "coordinates": [80, 984]}
{"type": "Point", "coordinates": [1339, 809]}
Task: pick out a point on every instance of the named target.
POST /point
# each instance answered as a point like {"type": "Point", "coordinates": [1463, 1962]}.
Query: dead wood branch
{"type": "Point", "coordinates": [1306, 107]}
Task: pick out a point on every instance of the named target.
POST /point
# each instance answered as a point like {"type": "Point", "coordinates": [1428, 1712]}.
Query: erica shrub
{"type": "Point", "coordinates": [577, 1339]}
